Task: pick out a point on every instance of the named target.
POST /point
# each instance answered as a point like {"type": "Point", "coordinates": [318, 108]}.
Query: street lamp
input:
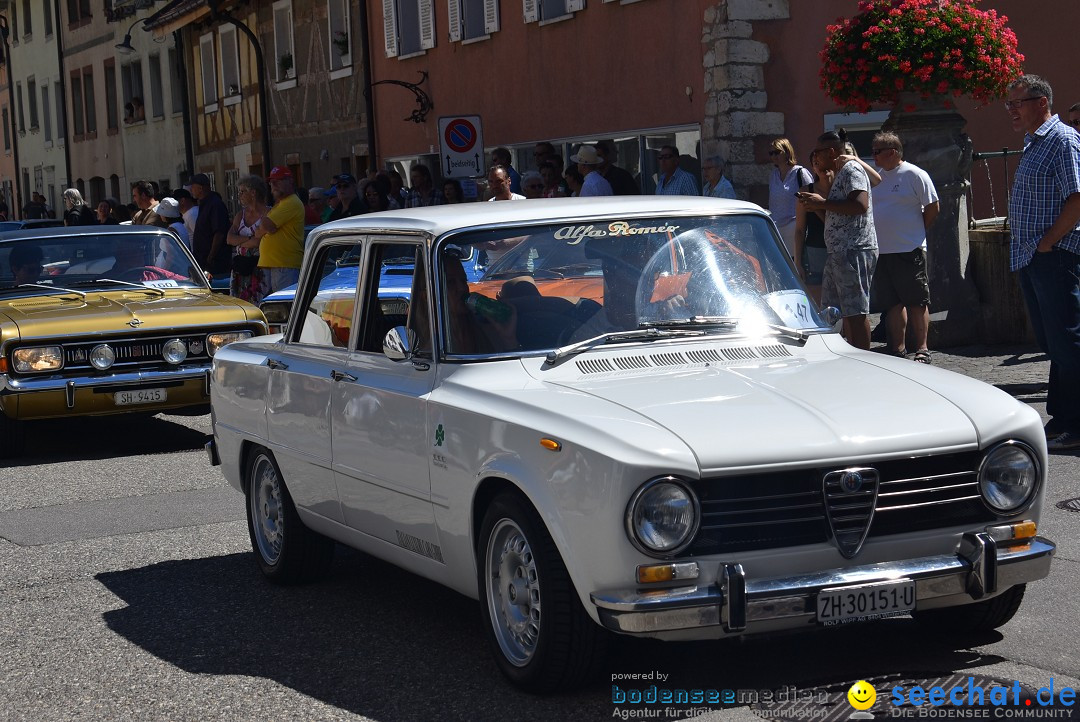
{"type": "Point", "coordinates": [125, 47]}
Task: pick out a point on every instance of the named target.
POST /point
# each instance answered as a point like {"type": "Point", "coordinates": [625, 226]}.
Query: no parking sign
{"type": "Point", "coordinates": [461, 145]}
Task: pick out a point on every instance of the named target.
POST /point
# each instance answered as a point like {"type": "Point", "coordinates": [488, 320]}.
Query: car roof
{"type": "Point", "coordinates": [53, 232]}
{"type": "Point", "coordinates": [437, 220]}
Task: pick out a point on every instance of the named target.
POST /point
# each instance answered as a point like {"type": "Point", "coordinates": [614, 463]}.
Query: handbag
{"type": "Point", "coordinates": [244, 265]}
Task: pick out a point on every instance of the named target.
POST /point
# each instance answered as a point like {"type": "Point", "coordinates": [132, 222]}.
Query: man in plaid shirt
{"type": "Point", "coordinates": [1044, 212]}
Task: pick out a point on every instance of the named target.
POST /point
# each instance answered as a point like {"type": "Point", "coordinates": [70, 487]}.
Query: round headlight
{"type": "Point", "coordinates": [174, 351]}
{"type": "Point", "coordinates": [102, 357]}
{"type": "Point", "coordinates": [1008, 476]}
{"type": "Point", "coordinates": [663, 517]}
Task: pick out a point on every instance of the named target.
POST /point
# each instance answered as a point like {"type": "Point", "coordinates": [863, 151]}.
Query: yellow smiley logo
{"type": "Point", "coordinates": [862, 695]}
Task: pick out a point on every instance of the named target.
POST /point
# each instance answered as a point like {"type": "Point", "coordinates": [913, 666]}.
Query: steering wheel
{"type": "Point", "coordinates": [136, 273]}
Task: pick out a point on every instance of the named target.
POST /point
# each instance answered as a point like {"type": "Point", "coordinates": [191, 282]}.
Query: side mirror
{"type": "Point", "coordinates": [399, 343]}
{"type": "Point", "coordinates": [831, 315]}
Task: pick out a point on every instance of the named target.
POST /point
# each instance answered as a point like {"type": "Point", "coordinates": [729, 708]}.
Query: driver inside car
{"type": "Point", "coordinates": [469, 329]}
{"type": "Point", "coordinates": [25, 261]}
{"type": "Point", "coordinates": [130, 263]}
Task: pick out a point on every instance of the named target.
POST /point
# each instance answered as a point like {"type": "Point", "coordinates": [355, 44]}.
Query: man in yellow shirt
{"type": "Point", "coordinates": [281, 233]}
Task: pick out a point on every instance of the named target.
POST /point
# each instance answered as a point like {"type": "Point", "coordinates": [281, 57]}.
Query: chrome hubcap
{"type": "Point", "coordinates": [266, 517]}
{"type": "Point", "coordinates": [513, 592]}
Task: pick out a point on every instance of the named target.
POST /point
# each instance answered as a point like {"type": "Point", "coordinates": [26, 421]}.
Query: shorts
{"type": "Point", "coordinates": [845, 282]}
{"type": "Point", "coordinates": [901, 280]}
{"type": "Point", "coordinates": [813, 263]}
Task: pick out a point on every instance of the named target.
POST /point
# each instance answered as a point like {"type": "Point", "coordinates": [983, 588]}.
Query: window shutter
{"type": "Point", "coordinates": [531, 9]}
{"type": "Point", "coordinates": [389, 14]}
{"type": "Point", "coordinates": [453, 19]}
{"type": "Point", "coordinates": [491, 16]}
{"type": "Point", "coordinates": [572, 6]}
{"type": "Point", "coordinates": [427, 24]}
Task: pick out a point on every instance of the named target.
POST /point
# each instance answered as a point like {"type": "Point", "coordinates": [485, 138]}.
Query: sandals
{"type": "Point", "coordinates": [922, 357]}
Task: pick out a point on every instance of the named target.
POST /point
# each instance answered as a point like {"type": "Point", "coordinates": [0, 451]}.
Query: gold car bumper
{"type": "Point", "coordinates": [54, 397]}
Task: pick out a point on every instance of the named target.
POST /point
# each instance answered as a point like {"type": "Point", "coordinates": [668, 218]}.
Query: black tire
{"type": "Point", "coordinates": [287, 551]}
{"type": "Point", "coordinates": [978, 617]}
{"type": "Point", "coordinates": [12, 437]}
{"type": "Point", "coordinates": [546, 642]}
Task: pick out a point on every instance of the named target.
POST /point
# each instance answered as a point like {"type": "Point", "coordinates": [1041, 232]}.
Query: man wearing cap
{"type": "Point", "coordinates": [189, 209]}
{"type": "Point", "coordinates": [211, 227]}
{"type": "Point", "coordinates": [281, 233]}
{"type": "Point", "coordinates": [349, 203]}
{"type": "Point", "coordinates": [588, 163]}
{"type": "Point", "coordinates": [142, 194]}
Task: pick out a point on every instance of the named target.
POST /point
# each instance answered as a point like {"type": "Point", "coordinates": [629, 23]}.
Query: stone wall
{"type": "Point", "coordinates": [735, 115]}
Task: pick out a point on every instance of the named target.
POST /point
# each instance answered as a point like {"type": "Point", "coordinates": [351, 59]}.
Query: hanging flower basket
{"type": "Point", "coordinates": [935, 49]}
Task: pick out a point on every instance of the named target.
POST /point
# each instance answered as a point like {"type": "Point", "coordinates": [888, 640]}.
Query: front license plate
{"type": "Point", "coordinates": [141, 396]}
{"type": "Point", "coordinates": [863, 603]}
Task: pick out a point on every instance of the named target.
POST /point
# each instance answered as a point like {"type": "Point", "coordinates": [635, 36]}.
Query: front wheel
{"type": "Point", "coordinates": [977, 617]}
{"type": "Point", "coordinates": [541, 636]}
{"type": "Point", "coordinates": [286, 550]}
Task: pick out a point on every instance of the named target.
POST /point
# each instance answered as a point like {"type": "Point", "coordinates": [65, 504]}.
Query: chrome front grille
{"type": "Point", "coordinates": [135, 351]}
{"type": "Point", "coordinates": [850, 497]}
{"type": "Point", "coordinates": [769, 511]}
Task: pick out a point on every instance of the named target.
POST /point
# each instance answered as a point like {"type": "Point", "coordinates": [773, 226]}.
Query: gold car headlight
{"type": "Point", "coordinates": [38, 358]}
{"type": "Point", "coordinates": [215, 341]}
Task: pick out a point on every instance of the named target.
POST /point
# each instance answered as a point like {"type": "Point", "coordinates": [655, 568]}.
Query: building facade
{"type": "Point", "coordinates": [34, 43]}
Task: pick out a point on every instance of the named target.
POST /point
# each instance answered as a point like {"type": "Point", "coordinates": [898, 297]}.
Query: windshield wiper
{"type": "Point", "coordinates": [61, 289]}
{"type": "Point", "coordinates": [795, 333]}
{"type": "Point", "coordinates": [640, 334]}
{"type": "Point", "coordinates": [139, 286]}
{"type": "Point", "coordinates": [693, 322]}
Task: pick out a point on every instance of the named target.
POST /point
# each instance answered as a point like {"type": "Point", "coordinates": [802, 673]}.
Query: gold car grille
{"type": "Point", "coordinates": [134, 351]}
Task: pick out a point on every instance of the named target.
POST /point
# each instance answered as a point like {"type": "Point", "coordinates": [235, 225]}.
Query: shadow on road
{"type": "Point", "coordinates": [53, 441]}
{"type": "Point", "coordinates": [377, 641]}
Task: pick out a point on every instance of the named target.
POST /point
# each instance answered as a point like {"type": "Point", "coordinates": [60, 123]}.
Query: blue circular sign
{"type": "Point", "coordinates": [460, 135]}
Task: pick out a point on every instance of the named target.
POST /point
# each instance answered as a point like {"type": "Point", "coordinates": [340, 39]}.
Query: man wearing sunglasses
{"type": "Point", "coordinates": [349, 203]}
{"type": "Point", "coordinates": [1044, 213]}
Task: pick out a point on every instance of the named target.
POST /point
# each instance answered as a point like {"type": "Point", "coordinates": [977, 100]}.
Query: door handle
{"type": "Point", "coordinates": [341, 376]}
{"type": "Point", "coordinates": [273, 363]}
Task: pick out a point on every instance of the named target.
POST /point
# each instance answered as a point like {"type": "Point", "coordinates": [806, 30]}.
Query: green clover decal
{"type": "Point", "coordinates": [440, 435]}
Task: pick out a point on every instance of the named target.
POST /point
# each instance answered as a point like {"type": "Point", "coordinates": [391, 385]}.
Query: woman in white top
{"type": "Point", "coordinates": [247, 279]}
{"type": "Point", "coordinates": [785, 181]}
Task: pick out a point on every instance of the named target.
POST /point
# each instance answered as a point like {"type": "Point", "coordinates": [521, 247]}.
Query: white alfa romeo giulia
{"type": "Point", "coordinates": [626, 416]}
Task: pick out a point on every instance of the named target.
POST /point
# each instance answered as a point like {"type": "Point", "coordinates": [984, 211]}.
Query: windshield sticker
{"type": "Point", "coordinates": [577, 234]}
{"type": "Point", "coordinates": [793, 308]}
{"type": "Point", "coordinates": [165, 283]}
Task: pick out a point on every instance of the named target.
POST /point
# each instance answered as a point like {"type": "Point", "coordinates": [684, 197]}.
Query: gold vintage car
{"type": "Point", "coordinates": [105, 320]}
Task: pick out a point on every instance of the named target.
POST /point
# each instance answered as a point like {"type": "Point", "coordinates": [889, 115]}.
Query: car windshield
{"type": "Point", "coordinates": [544, 287]}
{"type": "Point", "coordinates": [88, 261]}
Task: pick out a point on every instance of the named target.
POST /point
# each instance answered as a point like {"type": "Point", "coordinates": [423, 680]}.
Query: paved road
{"type": "Point", "coordinates": [128, 591]}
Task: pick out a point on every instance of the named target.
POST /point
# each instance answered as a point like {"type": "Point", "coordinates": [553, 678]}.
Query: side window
{"type": "Point", "coordinates": [396, 295]}
{"type": "Point", "coordinates": [326, 307]}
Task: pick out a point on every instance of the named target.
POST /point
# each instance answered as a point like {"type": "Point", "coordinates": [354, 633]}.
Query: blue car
{"type": "Point", "coordinates": [341, 280]}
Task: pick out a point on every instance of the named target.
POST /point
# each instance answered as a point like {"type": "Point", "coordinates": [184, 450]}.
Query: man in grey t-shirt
{"type": "Point", "coordinates": [850, 239]}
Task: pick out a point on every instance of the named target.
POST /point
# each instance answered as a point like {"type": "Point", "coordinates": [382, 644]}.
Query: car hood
{"type": "Point", "coordinates": [69, 315]}
{"type": "Point", "coordinates": [817, 406]}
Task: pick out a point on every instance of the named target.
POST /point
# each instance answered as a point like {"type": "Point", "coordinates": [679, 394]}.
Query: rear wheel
{"type": "Point", "coordinates": [977, 617]}
{"type": "Point", "coordinates": [541, 636]}
{"type": "Point", "coordinates": [286, 550]}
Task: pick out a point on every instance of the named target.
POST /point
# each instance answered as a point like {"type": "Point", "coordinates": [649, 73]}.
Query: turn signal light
{"type": "Point", "coordinates": [551, 444]}
{"type": "Point", "coordinates": [1026, 529]}
{"type": "Point", "coordinates": [653, 573]}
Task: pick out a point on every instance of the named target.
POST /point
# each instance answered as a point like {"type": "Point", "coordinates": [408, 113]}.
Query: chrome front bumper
{"type": "Point", "coordinates": [980, 568]}
{"type": "Point", "coordinates": [9, 385]}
